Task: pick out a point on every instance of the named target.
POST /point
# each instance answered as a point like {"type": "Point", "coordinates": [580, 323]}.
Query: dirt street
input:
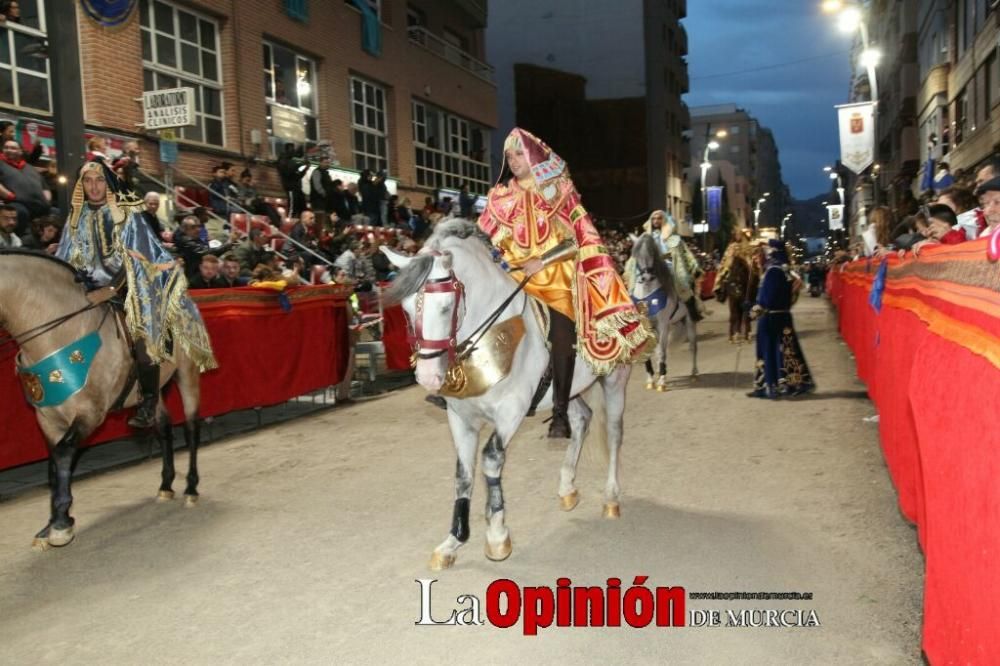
{"type": "Point", "coordinates": [310, 535]}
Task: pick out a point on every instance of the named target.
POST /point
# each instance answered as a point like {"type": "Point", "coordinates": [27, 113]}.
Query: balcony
{"type": "Point", "coordinates": [476, 9]}
{"type": "Point", "coordinates": [431, 42]}
{"type": "Point", "coordinates": [682, 9]}
{"type": "Point", "coordinates": [682, 41]}
{"type": "Point", "coordinates": [683, 80]}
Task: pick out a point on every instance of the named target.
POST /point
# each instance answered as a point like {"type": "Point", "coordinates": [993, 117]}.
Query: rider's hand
{"type": "Point", "coordinates": [532, 267]}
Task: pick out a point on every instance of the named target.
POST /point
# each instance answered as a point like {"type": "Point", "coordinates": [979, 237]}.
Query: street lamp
{"type": "Point", "coordinates": [706, 164]}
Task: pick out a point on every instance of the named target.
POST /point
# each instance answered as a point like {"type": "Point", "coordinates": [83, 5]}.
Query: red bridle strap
{"type": "Point", "coordinates": [447, 285]}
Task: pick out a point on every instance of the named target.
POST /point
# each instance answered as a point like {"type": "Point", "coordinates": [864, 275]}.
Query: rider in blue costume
{"type": "Point", "coordinates": [781, 368]}
{"type": "Point", "coordinates": [107, 240]}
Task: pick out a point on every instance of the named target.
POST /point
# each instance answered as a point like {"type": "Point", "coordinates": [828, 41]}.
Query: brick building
{"type": "Point", "coordinates": [406, 91]}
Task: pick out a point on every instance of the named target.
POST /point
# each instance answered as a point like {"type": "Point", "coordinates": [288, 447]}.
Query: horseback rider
{"type": "Point", "coordinates": [541, 230]}
{"type": "Point", "coordinates": [682, 261]}
{"type": "Point", "coordinates": [740, 249]}
{"type": "Point", "coordinates": [117, 253]}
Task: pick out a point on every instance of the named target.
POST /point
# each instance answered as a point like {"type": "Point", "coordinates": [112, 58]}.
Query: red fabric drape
{"type": "Point", "coordinates": [394, 333]}
{"type": "Point", "coordinates": [933, 373]}
{"type": "Point", "coordinates": [266, 356]}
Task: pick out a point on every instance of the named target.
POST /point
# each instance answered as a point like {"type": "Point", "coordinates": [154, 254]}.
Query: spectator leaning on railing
{"type": "Point", "coordinates": [989, 200]}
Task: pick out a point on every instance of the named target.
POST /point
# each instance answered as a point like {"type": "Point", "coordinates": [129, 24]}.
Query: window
{"type": "Point", "coordinates": [24, 69]}
{"type": "Point", "coordinates": [289, 83]}
{"type": "Point", "coordinates": [376, 5]}
{"type": "Point", "coordinates": [297, 9]}
{"type": "Point", "coordinates": [449, 150]}
{"type": "Point", "coordinates": [181, 49]}
{"type": "Point", "coordinates": [415, 17]}
{"type": "Point", "coordinates": [961, 115]}
{"type": "Point", "coordinates": [368, 123]}
{"type": "Point", "coordinates": [734, 130]}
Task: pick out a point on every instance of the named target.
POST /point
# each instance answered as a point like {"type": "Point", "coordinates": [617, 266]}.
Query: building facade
{"type": "Point", "coordinates": [556, 70]}
{"type": "Point", "coordinates": [398, 85]}
{"type": "Point", "coordinates": [746, 150]}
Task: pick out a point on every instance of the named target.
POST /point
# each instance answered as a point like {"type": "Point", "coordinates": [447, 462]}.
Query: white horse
{"type": "Point", "coordinates": [449, 290]}
{"type": "Point", "coordinates": [654, 286]}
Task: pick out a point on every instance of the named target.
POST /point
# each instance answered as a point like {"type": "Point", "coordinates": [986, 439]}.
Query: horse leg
{"type": "Point", "coordinates": [662, 345]}
{"type": "Point", "coordinates": [465, 438]}
{"type": "Point", "coordinates": [165, 437]}
{"type": "Point", "coordinates": [59, 531]}
{"type": "Point", "coordinates": [692, 333]}
{"type": "Point", "coordinates": [650, 378]}
{"type": "Point", "coordinates": [189, 385]}
{"type": "Point", "coordinates": [579, 421]}
{"type": "Point", "coordinates": [192, 438]}
{"type": "Point", "coordinates": [614, 386]}
{"type": "Point", "coordinates": [498, 545]}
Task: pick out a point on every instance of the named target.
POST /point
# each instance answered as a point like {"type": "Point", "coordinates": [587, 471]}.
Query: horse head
{"type": "Point", "coordinates": [651, 271]}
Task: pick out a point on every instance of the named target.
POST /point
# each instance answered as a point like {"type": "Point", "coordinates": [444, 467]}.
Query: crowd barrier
{"type": "Point", "coordinates": [269, 350]}
{"type": "Point", "coordinates": [930, 358]}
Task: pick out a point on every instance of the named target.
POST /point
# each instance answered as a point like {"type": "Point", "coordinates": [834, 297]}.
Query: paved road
{"type": "Point", "coordinates": [310, 535]}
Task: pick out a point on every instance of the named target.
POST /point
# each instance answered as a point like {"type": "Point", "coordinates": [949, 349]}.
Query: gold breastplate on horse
{"type": "Point", "coordinates": [477, 371]}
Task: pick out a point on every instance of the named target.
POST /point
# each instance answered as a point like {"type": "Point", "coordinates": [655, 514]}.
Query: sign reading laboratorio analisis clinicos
{"type": "Point", "coordinates": [173, 107]}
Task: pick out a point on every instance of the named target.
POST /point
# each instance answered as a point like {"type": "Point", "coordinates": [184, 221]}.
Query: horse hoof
{"type": "Point", "coordinates": [60, 538]}
{"type": "Point", "coordinates": [569, 502]}
{"type": "Point", "coordinates": [499, 553]}
{"type": "Point", "coordinates": [190, 501]}
{"type": "Point", "coordinates": [612, 510]}
{"type": "Point", "coordinates": [41, 544]}
{"type": "Point", "coordinates": [164, 496]}
{"type": "Point", "coordinates": [440, 562]}
{"type": "Point", "coordinates": [661, 389]}
{"type": "Point", "coordinates": [649, 386]}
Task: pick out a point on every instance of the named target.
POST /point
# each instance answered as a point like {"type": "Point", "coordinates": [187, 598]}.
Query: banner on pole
{"type": "Point", "coordinates": [714, 196]}
{"type": "Point", "coordinates": [836, 216]}
{"type": "Point", "coordinates": [857, 135]}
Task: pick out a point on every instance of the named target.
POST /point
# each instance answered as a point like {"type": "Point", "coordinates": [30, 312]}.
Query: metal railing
{"type": "Point", "coordinates": [450, 52]}
{"type": "Point", "coordinates": [276, 231]}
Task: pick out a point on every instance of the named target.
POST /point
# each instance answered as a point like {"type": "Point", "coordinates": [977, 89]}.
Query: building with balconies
{"type": "Point", "coordinates": [384, 84]}
{"type": "Point", "coordinates": [556, 70]}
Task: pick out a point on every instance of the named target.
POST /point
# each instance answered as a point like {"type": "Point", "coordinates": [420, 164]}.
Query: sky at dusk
{"type": "Point", "coordinates": [795, 101]}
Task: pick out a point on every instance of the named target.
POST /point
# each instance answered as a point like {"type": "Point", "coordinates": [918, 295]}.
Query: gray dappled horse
{"type": "Point", "coordinates": [448, 291]}
{"type": "Point", "coordinates": [654, 291]}
{"type": "Point", "coordinates": [45, 309]}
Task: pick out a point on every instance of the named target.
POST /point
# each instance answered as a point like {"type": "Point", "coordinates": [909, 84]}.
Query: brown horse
{"type": "Point", "coordinates": [44, 308]}
{"type": "Point", "coordinates": [739, 288]}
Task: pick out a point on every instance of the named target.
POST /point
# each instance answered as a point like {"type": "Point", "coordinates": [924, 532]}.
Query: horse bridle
{"type": "Point", "coordinates": [450, 345]}
{"type": "Point", "coordinates": [445, 285]}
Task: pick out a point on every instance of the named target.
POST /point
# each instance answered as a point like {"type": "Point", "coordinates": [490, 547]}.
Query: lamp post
{"type": "Point", "coordinates": [706, 164]}
{"type": "Point", "coordinates": [851, 17]}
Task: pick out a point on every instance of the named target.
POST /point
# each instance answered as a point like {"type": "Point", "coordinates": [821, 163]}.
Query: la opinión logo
{"type": "Point", "coordinates": [566, 605]}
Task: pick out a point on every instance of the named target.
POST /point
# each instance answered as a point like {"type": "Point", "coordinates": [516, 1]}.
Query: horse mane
{"type": "Point", "coordinates": [412, 278]}
{"type": "Point", "coordinates": [21, 252]}
{"type": "Point", "coordinates": [646, 252]}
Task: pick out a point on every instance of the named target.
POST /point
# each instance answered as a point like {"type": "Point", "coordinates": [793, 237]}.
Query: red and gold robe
{"type": "Point", "coordinates": [524, 223]}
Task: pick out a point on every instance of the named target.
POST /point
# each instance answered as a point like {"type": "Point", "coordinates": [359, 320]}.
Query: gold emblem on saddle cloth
{"type": "Point", "coordinates": [476, 372]}
{"type": "Point", "coordinates": [32, 385]}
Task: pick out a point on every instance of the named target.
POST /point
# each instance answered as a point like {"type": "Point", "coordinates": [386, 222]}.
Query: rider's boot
{"type": "Point", "coordinates": [692, 307]}
{"type": "Point", "coordinates": [149, 390]}
{"type": "Point", "coordinates": [562, 383]}
{"type": "Point", "coordinates": [562, 334]}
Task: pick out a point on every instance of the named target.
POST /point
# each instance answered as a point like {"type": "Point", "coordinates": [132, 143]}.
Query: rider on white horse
{"type": "Point", "coordinates": [541, 230]}
{"type": "Point", "coordinates": [678, 255]}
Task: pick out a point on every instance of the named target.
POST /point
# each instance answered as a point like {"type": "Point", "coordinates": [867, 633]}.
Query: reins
{"type": "Point", "coordinates": [469, 344]}
{"type": "Point", "coordinates": [8, 339]}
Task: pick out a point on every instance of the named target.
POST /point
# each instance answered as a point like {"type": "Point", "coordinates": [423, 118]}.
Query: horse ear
{"type": "Point", "coordinates": [395, 258]}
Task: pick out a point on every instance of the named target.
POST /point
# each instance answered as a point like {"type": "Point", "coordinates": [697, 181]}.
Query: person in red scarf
{"type": "Point", "coordinates": [540, 228]}
{"type": "Point", "coordinates": [22, 186]}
